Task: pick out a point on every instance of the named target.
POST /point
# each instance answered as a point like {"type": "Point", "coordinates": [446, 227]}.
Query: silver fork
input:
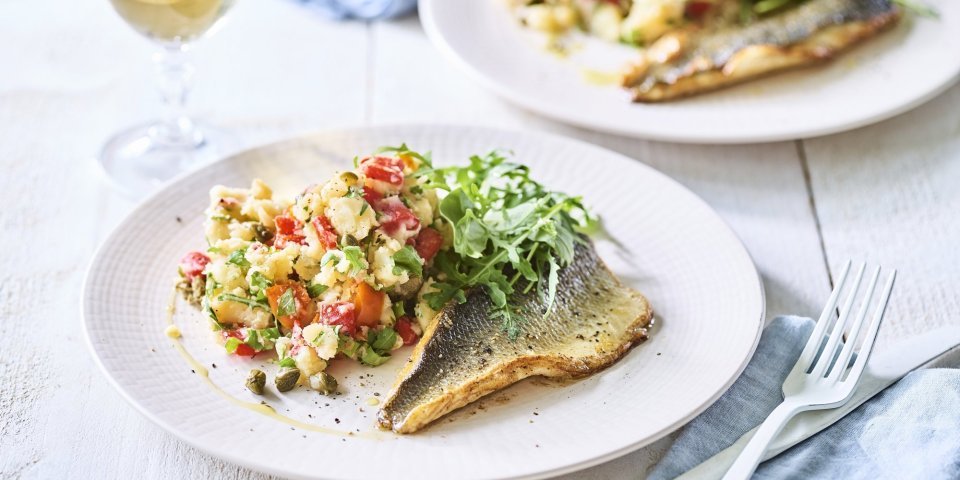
{"type": "Point", "coordinates": [816, 381]}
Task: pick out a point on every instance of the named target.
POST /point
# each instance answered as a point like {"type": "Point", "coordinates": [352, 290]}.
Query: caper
{"type": "Point", "coordinates": [349, 178]}
{"type": "Point", "coordinates": [286, 379]}
{"type": "Point", "coordinates": [324, 383]}
{"type": "Point", "coordinates": [349, 241]}
{"type": "Point", "coordinates": [256, 380]}
{"type": "Point", "coordinates": [261, 233]}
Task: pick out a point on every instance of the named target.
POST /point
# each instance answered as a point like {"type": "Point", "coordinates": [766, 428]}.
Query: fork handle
{"type": "Point", "coordinates": [753, 452]}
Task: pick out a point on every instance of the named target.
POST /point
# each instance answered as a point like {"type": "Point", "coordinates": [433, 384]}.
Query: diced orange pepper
{"type": "Point", "coordinates": [306, 309]}
{"type": "Point", "coordinates": [369, 304]}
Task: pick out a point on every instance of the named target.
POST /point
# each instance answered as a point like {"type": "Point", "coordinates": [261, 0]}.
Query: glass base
{"type": "Point", "coordinates": [139, 160]}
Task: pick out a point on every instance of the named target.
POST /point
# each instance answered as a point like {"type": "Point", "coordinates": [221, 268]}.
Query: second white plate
{"type": "Point", "coordinates": [701, 282]}
{"type": "Point", "coordinates": [887, 75]}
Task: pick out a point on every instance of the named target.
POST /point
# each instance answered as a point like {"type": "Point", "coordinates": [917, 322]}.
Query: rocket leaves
{"type": "Point", "coordinates": [510, 233]}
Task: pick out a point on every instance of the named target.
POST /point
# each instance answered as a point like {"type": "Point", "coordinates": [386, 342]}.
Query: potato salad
{"type": "Point", "coordinates": [339, 271]}
{"type": "Point", "coordinates": [634, 22]}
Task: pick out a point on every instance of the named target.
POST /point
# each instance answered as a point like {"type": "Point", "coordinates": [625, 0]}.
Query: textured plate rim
{"type": "Point", "coordinates": [269, 469]}
{"type": "Point", "coordinates": [432, 29]}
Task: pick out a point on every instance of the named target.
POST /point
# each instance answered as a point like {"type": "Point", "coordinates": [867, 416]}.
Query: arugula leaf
{"type": "Point", "coordinates": [253, 339]}
{"type": "Point", "coordinates": [506, 228]}
{"type": "Point", "coordinates": [406, 259]}
{"type": "Point", "coordinates": [382, 342]}
{"type": "Point", "coordinates": [356, 258]}
{"type": "Point", "coordinates": [272, 333]}
{"type": "Point", "coordinates": [286, 304]}
{"type": "Point", "coordinates": [237, 258]}
{"type": "Point", "coordinates": [398, 309]}
{"type": "Point", "coordinates": [259, 281]}
{"type": "Point", "coordinates": [250, 302]}
{"type": "Point", "coordinates": [369, 357]}
{"type": "Point", "coordinates": [918, 8]}
{"type": "Point", "coordinates": [348, 346]}
{"type": "Point", "coordinates": [316, 289]}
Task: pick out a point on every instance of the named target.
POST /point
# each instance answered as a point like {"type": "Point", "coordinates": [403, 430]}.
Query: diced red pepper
{"type": "Point", "coordinates": [325, 232]}
{"type": "Point", "coordinates": [428, 243]}
{"type": "Point", "coordinates": [192, 265]}
{"type": "Point", "coordinates": [287, 225]}
{"type": "Point", "coordinates": [243, 350]}
{"type": "Point", "coordinates": [404, 327]}
{"type": "Point", "coordinates": [696, 9]}
{"type": "Point", "coordinates": [289, 231]}
{"type": "Point", "coordinates": [371, 196]}
{"type": "Point", "coordinates": [384, 169]}
{"type": "Point", "coordinates": [339, 313]}
{"type": "Point", "coordinates": [396, 217]}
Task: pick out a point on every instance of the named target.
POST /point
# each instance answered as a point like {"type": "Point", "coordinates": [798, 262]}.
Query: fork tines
{"type": "Point", "coordinates": [820, 357]}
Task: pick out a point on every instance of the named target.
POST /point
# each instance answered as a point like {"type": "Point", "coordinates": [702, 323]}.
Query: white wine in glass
{"type": "Point", "coordinates": [139, 159]}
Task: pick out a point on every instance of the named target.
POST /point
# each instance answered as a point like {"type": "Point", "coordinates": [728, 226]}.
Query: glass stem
{"type": "Point", "coordinates": [174, 80]}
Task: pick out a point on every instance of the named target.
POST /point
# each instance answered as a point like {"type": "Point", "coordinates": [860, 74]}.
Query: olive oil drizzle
{"type": "Point", "coordinates": [261, 408]}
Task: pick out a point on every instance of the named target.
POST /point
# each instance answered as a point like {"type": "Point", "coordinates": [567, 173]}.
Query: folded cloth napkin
{"type": "Point", "coordinates": [360, 9]}
{"type": "Point", "coordinates": [910, 430]}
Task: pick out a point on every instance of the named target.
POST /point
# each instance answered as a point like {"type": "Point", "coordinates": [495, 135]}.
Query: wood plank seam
{"type": "Point", "coordinates": [802, 154]}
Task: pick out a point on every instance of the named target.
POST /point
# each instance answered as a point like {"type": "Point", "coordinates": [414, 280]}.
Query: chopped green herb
{"type": "Point", "coordinates": [363, 209]}
{"type": "Point", "coordinates": [355, 257]}
{"type": "Point", "coordinates": [398, 309]}
{"type": "Point", "coordinates": [918, 8]}
{"type": "Point", "coordinates": [369, 357]}
{"type": "Point", "coordinates": [250, 302]}
{"type": "Point", "coordinates": [382, 341]}
{"type": "Point", "coordinates": [260, 282]}
{"type": "Point", "coordinates": [407, 260]}
{"type": "Point", "coordinates": [287, 362]}
{"type": "Point", "coordinates": [238, 258]}
{"type": "Point", "coordinates": [348, 346]}
{"type": "Point", "coordinates": [232, 344]}
{"type": "Point", "coordinates": [286, 304]}
{"type": "Point", "coordinates": [329, 257]}
{"type": "Point", "coordinates": [253, 339]}
{"type": "Point", "coordinates": [316, 289]}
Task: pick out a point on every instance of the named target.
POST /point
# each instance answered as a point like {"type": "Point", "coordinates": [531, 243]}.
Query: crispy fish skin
{"type": "Point", "coordinates": [464, 354]}
{"type": "Point", "coordinates": [686, 63]}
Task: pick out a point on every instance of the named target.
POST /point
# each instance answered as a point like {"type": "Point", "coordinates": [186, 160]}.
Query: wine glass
{"type": "Point", "coordinates": [140, 158]}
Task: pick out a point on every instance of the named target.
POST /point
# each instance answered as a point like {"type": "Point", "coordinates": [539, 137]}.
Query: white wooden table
{"type": "Point", "coordinates": [71, 73]}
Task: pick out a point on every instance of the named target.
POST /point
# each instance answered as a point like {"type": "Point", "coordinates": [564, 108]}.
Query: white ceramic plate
{"type": "Point", "coordinates": [702, 284]}
{"type": "Point", "coordinates": [887, 75]}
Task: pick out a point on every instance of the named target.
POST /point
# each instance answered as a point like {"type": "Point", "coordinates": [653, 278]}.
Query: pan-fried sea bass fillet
{"type": "Point", "coordinates": [464, 354]}
{"type": "Point", "coordinates": [685, 63]}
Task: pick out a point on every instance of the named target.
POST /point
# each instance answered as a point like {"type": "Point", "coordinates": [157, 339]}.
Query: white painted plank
{"type": "Point", "coordinates": [274, 71]}
{"type": "Point", "coordinates": [888, 193]}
